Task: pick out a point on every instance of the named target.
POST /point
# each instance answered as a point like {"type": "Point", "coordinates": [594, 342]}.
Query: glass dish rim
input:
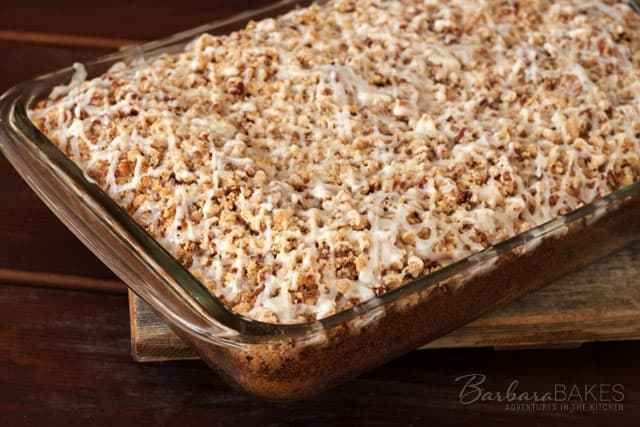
{"type": "Point", "coordinates": [19, 125]}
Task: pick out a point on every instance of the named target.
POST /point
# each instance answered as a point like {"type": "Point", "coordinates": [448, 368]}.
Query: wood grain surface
{"type": "Point", "coordinates": [65, 361]}
{"type": "Point", "coordinates": [65, 353]}
{"type": "Point", "coordinates": [117, 19]}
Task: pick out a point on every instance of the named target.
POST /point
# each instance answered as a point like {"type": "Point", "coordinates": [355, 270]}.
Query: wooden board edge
{"type": "Point", "coordinates": [558, 336]}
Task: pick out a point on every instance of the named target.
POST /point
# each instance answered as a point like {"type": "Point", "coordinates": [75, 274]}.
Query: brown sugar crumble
{"type": "Point", "coordinates": [309, 162]}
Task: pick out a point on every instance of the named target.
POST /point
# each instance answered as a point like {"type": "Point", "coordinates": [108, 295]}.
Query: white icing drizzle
{"type": "Point", "coordinates": [312, 161]}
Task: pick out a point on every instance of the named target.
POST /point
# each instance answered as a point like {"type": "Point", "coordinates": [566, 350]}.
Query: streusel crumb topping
{"type": "Point", "coordinates": [307, 163]}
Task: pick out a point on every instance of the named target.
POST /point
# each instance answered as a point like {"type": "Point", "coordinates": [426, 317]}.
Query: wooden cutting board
{"type": "Point", "coordinates": [598, 303]}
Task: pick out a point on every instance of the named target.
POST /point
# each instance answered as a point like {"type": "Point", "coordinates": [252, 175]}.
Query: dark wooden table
{"type": "Point", "coordinates": [64, 327]}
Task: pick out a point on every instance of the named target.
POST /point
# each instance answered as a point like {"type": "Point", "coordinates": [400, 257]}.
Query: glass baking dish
{"type": "Point", "coordinates": [279, 361]}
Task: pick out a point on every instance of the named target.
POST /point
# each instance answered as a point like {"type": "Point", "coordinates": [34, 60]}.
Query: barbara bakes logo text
{"type": "Point", "coordinates": [603, 397]}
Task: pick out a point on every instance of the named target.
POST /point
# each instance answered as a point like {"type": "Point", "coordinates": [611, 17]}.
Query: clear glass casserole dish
{"type": "Point", "coordinates": [280, 361]}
